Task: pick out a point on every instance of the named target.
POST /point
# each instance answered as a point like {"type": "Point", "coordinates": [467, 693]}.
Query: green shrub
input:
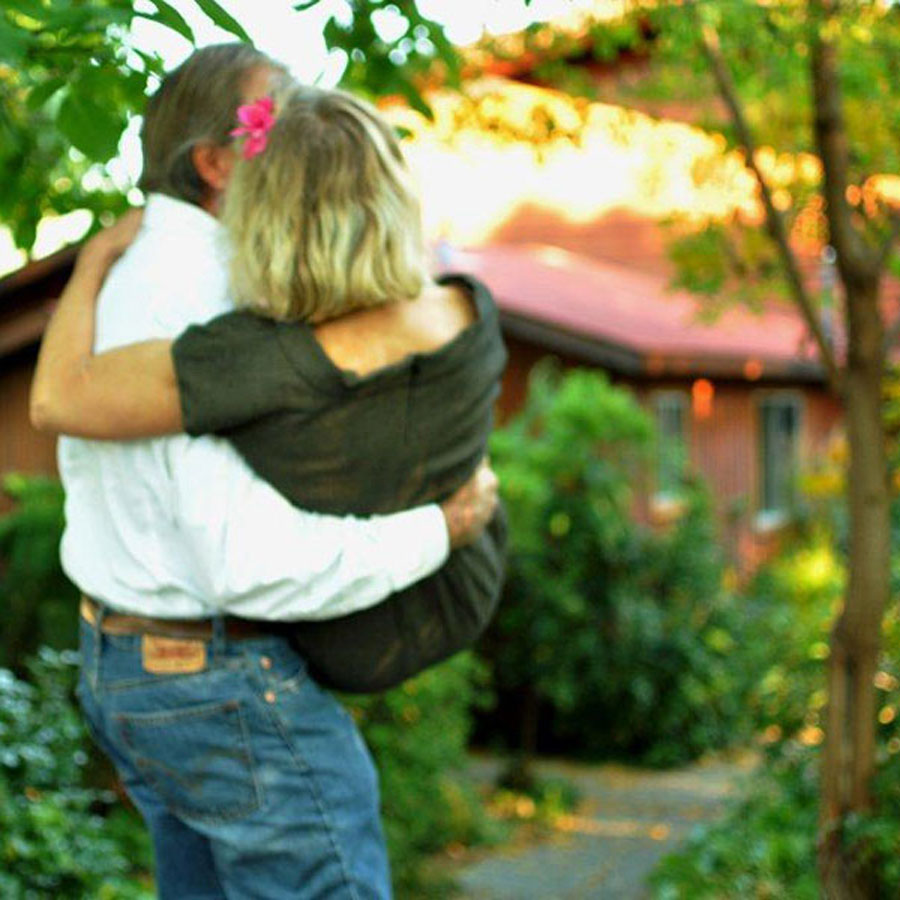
{"type": "Point", "coordinates": [55, 839]}
{"type": "Point", "coordinates": [617, 640]}
{"type": "Point", "coordinates": [38, 604]}
{"type": "Point", "coordinates": [418, 734]}
{"type": "Point", "coordinates": [764, 850]}
{"type": "Point", "coordinates": [766, 846]}
{"type": "Point", "coordinates": [790, 604]}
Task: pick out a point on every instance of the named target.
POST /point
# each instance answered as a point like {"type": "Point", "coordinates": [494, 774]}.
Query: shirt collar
{"type": "Point", "coordinates": [162, 211]}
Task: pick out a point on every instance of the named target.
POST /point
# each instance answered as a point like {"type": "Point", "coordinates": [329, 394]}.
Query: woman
{"type": "Point", "coordinates": [384, 404]}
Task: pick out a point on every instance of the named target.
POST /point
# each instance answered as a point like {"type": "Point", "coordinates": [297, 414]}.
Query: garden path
{"type": "Point", "coordinates": [626, 821]}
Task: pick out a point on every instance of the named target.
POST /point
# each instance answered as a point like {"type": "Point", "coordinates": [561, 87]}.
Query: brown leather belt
{"type": "Point", "coordinates": [197, 629]}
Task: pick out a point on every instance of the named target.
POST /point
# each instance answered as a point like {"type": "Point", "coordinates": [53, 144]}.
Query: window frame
{"type": "Point", "coordinates": [768, 518]}
{"type": "Point", "coordinates": [669, 495]}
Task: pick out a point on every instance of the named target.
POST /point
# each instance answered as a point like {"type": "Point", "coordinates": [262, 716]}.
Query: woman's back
{"type": "Point", "coordinates": [409, 426]}
{"type": "Point", "coordinates": [371, 339]}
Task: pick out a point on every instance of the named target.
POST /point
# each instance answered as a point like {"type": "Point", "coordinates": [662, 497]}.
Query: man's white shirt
{"type": "Point", "coordinates": [180, 527]}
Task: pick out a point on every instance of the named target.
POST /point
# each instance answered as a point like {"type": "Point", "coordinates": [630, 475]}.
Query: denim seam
{"type": "Point", "coordinates": [178, 715]}
{"type": "Point", "coordinates": [309, 771]}
{"type": "Point", "coordinates": [125, 684]}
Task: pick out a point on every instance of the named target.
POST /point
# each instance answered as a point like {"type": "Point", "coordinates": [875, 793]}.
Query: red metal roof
{"type": "Point", "coordinates": [636, 311]}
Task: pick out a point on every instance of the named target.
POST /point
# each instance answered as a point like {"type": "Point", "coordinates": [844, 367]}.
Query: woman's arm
{"type": "Point", "coordinates": [126, 393]}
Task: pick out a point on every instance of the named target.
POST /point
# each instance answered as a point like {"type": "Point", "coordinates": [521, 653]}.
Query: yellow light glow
{"type": "Point", "coordinates": [505, 145]}
{"type": "Point", "coordinates": [811, 736]}
{"type": "Point", "coordinates": [508, 145]}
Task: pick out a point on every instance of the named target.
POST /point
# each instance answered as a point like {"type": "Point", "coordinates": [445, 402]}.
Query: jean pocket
{"type": "Point", "coordinates": [197, 758]}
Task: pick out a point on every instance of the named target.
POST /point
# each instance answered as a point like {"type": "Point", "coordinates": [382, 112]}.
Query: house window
{"type": "Point", "coordinates": [779, 428]}
{"type": "Point", "coordinates": [670, 409]}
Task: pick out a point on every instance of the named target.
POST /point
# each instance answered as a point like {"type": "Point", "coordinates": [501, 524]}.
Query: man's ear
{"type": "Point", "coordinates": [213, 165]}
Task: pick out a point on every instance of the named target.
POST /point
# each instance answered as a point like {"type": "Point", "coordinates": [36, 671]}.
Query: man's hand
{"type": "Point", "coordinates": [469, 509]}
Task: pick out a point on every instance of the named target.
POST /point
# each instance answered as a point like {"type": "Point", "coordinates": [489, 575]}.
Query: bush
{"type": "Point", "coordinates": [37, 602]}
{"type": "Point", "coordinates": [55, 839]}
{"type": "Point", "coordinates": [619, 641]}
{"type": "Point", "coordinates": [766, 847]}
{"type": "Point", "coordinates": [418, 734]}
{"type": "Point", "coordinates": [791, 603]}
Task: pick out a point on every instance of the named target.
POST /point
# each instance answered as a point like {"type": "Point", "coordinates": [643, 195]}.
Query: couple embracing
{"type": "Point", "coordinates": [329, 523]}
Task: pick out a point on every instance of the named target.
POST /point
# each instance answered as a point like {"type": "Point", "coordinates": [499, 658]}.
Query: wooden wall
{"type": "Point", "coordinates": [22, 449]}
{"type": "Point", "coordinates": [724, 448]}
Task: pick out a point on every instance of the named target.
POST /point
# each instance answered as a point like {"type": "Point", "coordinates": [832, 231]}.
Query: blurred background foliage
{"type": "Point", "coordinates": [71, 79]}
{"type": "Point", "coordinates": [613, 640]}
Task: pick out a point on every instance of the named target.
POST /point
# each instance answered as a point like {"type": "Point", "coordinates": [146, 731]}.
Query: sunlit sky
{"type": "Point", "coordinates": [296, 39]}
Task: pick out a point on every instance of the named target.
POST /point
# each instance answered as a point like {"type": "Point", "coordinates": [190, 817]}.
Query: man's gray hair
{"type": "Point", "coordinates": [195, 104]}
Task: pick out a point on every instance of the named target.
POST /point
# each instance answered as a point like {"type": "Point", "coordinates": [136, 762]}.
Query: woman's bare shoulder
{"type": "Point", "coordinates": [371, 339]}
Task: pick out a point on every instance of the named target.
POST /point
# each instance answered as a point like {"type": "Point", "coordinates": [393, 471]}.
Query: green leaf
{"type": "Point", "coordinates": [305, 5]}
{"type": "Point", "coordinates": [13, 43]}
{"type": "Point", "coordinates": [224, 19]}
{"type": "Point", "coordinates": [92, 128]}
{"type": "Point", "coordinates": [415, 98]}
{"type": "Point", "coordinates": [39, 95]}
{"type": "Point", "coordinates": [34, 9]}
{"type": "Point", "coordinates": [167, 15]}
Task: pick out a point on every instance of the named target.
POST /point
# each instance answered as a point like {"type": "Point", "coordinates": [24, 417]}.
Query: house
{"type": "Point", "coordinates": [742, 401]}
{"type": "Point", "coordinates": [26, 301]}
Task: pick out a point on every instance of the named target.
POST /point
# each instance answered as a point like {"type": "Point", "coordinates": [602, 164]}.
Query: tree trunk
{"type": "Point", "coordinates": [849, 758]}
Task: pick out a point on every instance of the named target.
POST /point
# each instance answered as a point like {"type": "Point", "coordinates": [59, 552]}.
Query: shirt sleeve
{"type": "Point", "coordinates": [259, 557]}
{"type": "Point", "coordinates": [230, 371]}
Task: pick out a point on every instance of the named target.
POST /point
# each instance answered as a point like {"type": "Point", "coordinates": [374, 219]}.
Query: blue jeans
{"type": "Point", "coordinates": [253, 781]}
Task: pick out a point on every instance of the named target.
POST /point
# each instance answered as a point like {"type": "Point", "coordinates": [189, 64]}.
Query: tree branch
{"type": "Point", "coordinates": [856, 259]}
{"type": "Point", "coordinates": [775, 224]}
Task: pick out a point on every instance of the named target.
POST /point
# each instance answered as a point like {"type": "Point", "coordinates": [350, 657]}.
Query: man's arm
{"type": "Point", "coordinates": [260, 557]}
{"type": "Point", "coordinates": [125, 393]}
{"type": "Point", "coordinates": [378, 648]}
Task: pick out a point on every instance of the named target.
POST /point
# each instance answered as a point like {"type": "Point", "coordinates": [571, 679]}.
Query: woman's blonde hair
{"type": "Point", "coordinates": [326, 219]}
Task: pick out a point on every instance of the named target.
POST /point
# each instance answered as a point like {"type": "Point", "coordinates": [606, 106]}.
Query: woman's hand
{"type": "Point", "coordinates": [105, 247]}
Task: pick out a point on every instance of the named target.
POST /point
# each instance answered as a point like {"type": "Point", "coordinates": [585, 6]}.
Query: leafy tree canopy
{"type": "Point", "coordinates": [767, 49]}
{"type": "Point", "coordinates": [71, 78]}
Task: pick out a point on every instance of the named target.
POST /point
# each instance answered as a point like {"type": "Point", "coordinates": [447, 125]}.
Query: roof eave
{"type": "Point", "coordinates": [643, 364]}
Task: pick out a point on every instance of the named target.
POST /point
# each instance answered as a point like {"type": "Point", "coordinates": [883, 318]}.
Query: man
{"type": "Point", "coordinates": [252, 780]}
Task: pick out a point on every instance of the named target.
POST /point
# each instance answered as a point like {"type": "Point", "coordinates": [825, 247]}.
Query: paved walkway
{"type": "Point", "coordinates": [627, 819]}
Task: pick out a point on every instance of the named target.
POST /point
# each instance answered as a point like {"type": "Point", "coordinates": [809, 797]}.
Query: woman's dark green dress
{"type": "Point", "coordinates": [334, 442]}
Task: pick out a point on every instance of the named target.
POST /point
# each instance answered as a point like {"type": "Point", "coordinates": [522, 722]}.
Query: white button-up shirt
{"type": "Point", "coordinates": [180, 527]}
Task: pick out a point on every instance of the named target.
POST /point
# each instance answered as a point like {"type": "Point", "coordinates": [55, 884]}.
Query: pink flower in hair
{"type": "Point", "coordinates": [256, 121]}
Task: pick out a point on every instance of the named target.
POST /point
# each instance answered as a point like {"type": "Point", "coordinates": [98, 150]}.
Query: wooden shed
{"type": "Point", "coordinates": [26, 300]}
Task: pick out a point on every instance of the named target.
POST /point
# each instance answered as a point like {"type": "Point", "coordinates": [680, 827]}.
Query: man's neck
{"type": "Point", "coordinates": [211, 203]}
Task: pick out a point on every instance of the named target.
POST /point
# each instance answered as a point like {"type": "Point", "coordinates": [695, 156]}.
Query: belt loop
{"type": "Point", "coordinates": [92, 666]}
{"type": "Point", "coordinates": [219, 640]}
